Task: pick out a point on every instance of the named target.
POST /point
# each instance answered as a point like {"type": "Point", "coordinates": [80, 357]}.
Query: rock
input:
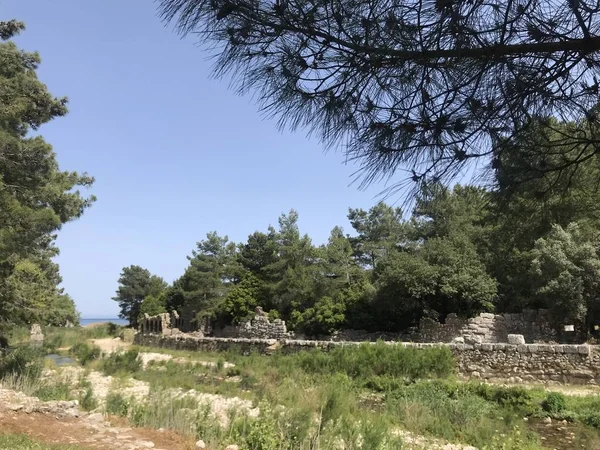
{"type": "Point", "coordinates": [232, 447]}
{"type": "Point", "coordinates": [473, 339]}
{"type": "Point", "coordinates": [458, 340]}
{"type": "Point", "coordinates": [547, 420]}
{"type": "Point", "coordinates": [200, 444]}
{"type": "Point", "coordinates": [95, 418]}
{"type": "Point", "coordinates": [516, 339]}
{"type": "Point", "coordinates": [35, 334]}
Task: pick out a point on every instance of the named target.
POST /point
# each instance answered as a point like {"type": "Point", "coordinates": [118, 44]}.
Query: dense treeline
{"type": "Point", "coordinates": [464, 250]}
{"type": "Point", "coordinates": [36, 197]}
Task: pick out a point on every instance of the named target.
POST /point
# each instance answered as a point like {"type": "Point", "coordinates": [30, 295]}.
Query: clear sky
{"type": "Point", "coordinates": [175, 154]}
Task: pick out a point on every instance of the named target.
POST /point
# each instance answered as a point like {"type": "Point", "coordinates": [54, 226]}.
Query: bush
{"type": "Point", "coordinates": [513, 397]}
{"type": "Point", "coordinates": [55, 391]}
{"type": "Point", "coordinates": [326, 316]}
{"type": "Point", "coordinates": [592, 419]}
{"type": "Point", "coordinates": [85, 353]}
{"type": "Point", "coordinates": [117, 405]}
{"type": "Point", "coordinates": [124, 362]}
{"type": "Point", "coordinates": [555, 403]}
{"type": "Point", "coordinates": [24, 362]}
{"type": "Point", "coordinates": [87, 400]}
{"type": "Point", "coordinates": [368, 360]}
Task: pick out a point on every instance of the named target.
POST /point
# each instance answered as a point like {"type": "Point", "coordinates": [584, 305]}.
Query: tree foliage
{"type": "Point", "coordinates": [418, 85]}
{"type": "Point", "coordinates": [36, 197]}
{"type": "Point", "coordinates": [136, 285]}
{"type": "Point", "coordinates": [565, 271]}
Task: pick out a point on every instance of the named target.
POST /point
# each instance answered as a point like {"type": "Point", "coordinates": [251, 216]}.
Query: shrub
{"type": "Point", "coordinates": [366, 360]}
{"type": "Point", "coordinates": [85, 353]}
{"type": "Point", "coordinates": [23, 362]}
{"type": "Point", "coordinates": [54, 391]}
{"type": "Point", "coordinates": [116, 404]}
{"type": "Point", "coordinates": [125, 362]}
{"type": "Point", "coordinates": [592, 419]}
{"type": "Point", "coordinates": [87, 400]}
{"type": "Point", "coordinates": [554, 403]}
{"type": "Point", "coordinates": [258, 434]}
{"type": "Point", "coordinates": [515, 397]}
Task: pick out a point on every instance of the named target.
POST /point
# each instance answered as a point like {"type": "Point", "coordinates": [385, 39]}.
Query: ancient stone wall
{"type": "Point", "coordinates": [535, 325]}
{"type": "Point", "coordinates": [260, 327]}
{"type": "Point", "coordinates": [574, 364]}
{"type": "Point", "coordinates": [164, 323]}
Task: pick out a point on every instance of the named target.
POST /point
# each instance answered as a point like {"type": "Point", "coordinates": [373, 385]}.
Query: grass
{"type": "Point", "coordinates": [22, 442]}
{"type": "Point", "coordinates": [85, 353]}
{"type": "Point", "coordinates": [61, 338]}
{"type": "Point", "coordinates": [354, 397]}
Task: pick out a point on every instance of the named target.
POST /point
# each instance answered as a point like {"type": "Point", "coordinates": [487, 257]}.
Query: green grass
{"type": "Point", "coordinates": [22, 442]}
{"type": "Point", "coordinates": [85, 353]}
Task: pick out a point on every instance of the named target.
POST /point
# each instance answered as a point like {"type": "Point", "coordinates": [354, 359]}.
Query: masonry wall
{"type": "Point", "coordinates": [573, 364]}
{"type": "Point", "coordinates": [260, 327]}
{"type": "Point", "coordinates": [535, 325]}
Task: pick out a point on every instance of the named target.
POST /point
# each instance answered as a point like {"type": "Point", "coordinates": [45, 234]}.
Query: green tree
{"type": "Point", "coordinates": [211, 274]}
{"type": "Point", "coordinates": [298, 275]}
{"type": "Point", "coordinates": [153, 305]}
{"type": "Point", "coordinates": [380, 230]}
{"type": "Point", "coordinates": [36, 197]}
{"type": "Point", "coordinates": [426, 88]}
{"type": "Point", "coordinates": [565, 271]}
{"type": "Point", "coordinates": [441, 277]}
{"type": "Point", "coordinates": [135, 284]}
{"type": "Point", "coordinates": [243, 299]}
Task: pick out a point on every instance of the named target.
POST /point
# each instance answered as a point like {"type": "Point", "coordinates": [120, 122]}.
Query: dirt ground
{"type": "Point", "coordinates": [75, 431]}
{"type": "Point", "coordinates": [110, 345]}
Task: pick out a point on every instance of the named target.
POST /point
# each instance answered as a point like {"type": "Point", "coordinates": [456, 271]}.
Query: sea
{"type": "Point", "coordinates": [116, 321]}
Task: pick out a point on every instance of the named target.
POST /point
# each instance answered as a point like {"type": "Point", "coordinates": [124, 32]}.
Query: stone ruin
{"type": "Point", "coordinates": [259, 327]}
{"type": "Point", "coordinates": [165, 324]}
{"type": "Point", "coordinates": [35, 334]}
{"type": "Point", "coordinates": [535, 325]}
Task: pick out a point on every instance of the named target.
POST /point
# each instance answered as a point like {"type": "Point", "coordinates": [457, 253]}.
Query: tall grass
{"type": "Point", "coordinates": [367, 360]}
{"type": "Point", "coordinates": [121, 362]}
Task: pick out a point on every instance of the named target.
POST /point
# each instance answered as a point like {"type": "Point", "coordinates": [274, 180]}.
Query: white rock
{"type": "Point", "coordinates": [200, 444]}
{"type": "Point", "coordinates": [232, 447]}
{"type": "Point", "coordinates": [516, 339]}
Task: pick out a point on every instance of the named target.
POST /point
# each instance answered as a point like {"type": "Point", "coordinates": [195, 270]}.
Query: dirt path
{"type": "Point", "coordinates": [91, 432]}
{"type": "Point", "coordinates": [62, 422]}
{"type": "Point", "coordinates": [111, 345]}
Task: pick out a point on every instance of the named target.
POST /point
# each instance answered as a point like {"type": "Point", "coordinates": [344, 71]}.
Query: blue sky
{"type": "Point", "coordinates": [175, 154]}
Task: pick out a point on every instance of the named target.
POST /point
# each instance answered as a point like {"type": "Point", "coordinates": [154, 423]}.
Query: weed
{"type": "Point", "coordinates": [555, 403]}
{"type": "Point", "coordinates": [54, 391]}
{"type": "Point", "coordinates": [116, 404]}
{"type": "Point", "coordinates": [121, 362]}
{"type": "Point", "coordinates": [25, 362]}
{"type": "Point", "coordinates": [85, 353]}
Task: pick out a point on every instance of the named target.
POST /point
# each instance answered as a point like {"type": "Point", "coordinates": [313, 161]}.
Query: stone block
{"type": "Point", "coordinates": [523, 348]}
{"type": "Point", "coordinates": [583, 349]}
{"type": "Point", "coordinates": [516, 339]}
{"type": "Point", "coordinates": [487, 315]}
{"type": "Point", "coordinates": [472, 339]}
